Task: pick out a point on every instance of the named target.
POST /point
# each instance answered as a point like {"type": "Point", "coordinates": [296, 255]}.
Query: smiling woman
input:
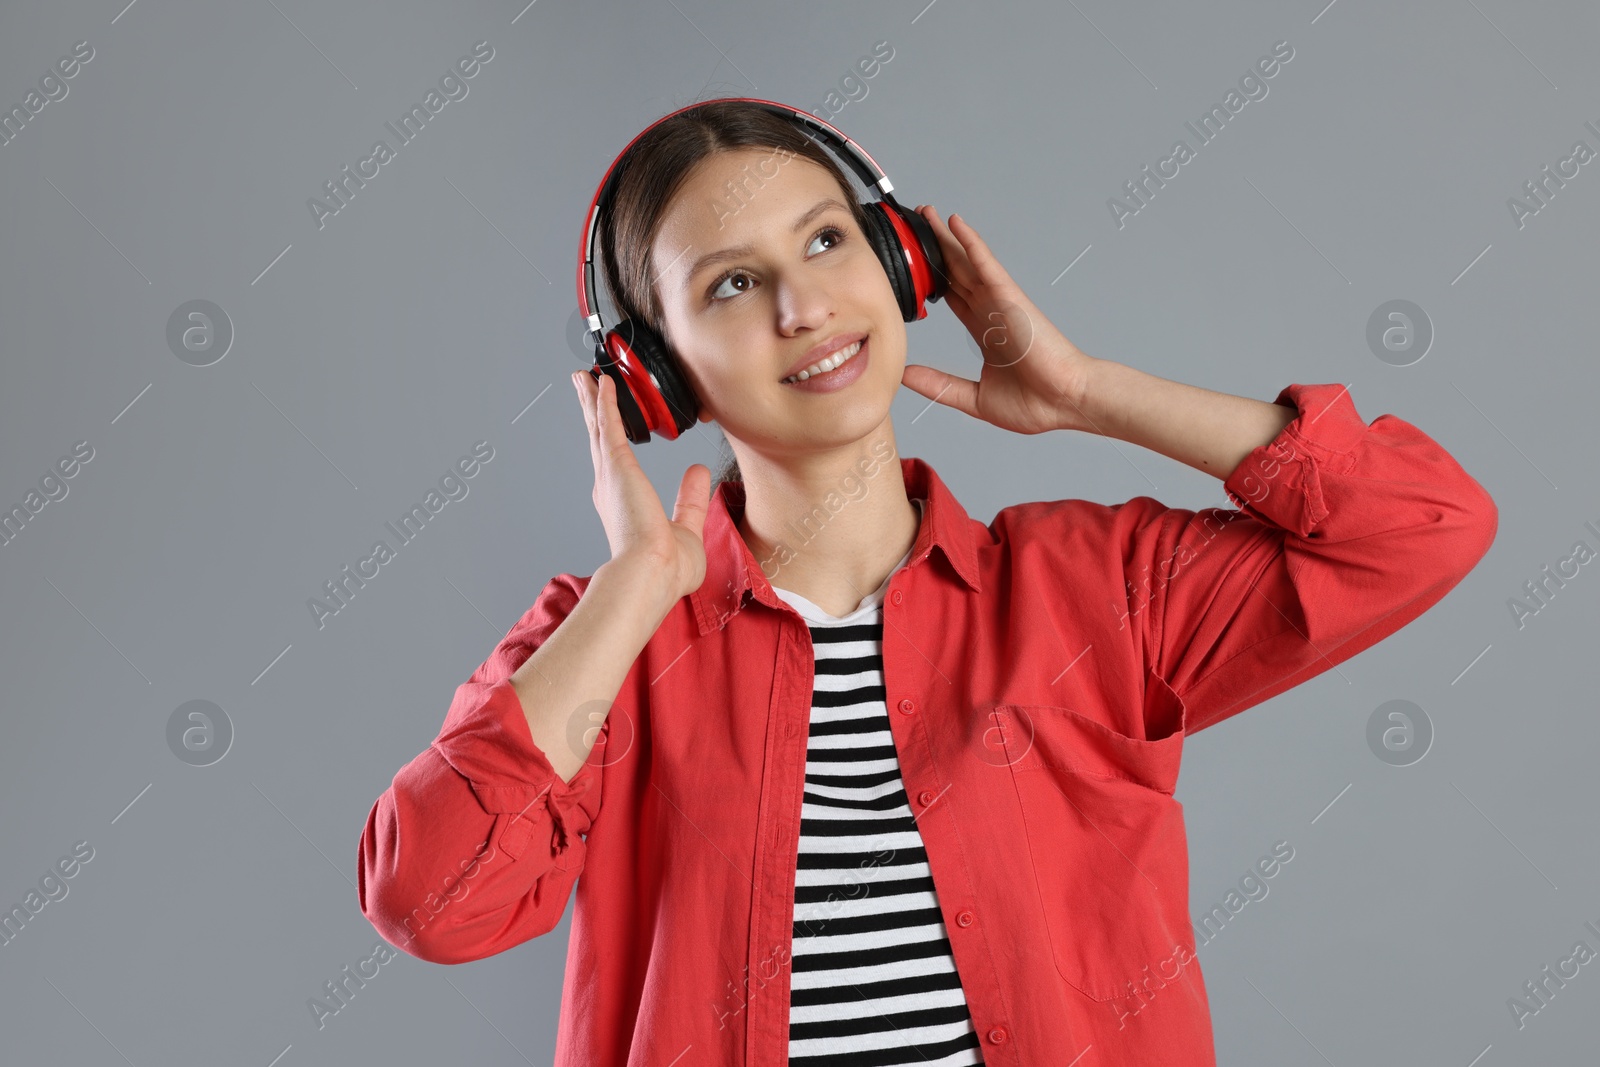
{"type": "Point", "coordinates": [792, 835]}
{"type": "Point", "coordinates": [663, 160]}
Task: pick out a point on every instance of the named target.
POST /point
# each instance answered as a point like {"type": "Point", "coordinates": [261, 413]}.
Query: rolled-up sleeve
{"type": "Point", "coordinates": [476, 845]}
{"type": "Point", "coordinates": [1343, 533]}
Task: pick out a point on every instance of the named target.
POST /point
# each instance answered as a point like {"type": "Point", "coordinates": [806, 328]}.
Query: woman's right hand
{"type": "Point", "coordinates": [636, 525]}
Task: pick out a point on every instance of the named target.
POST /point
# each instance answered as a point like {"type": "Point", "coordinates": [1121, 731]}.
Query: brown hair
{"type": "Point", "coordinates": [650, 173]}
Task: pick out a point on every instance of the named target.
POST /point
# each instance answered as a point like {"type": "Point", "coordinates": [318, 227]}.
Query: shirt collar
{"type": "Point", "coordinates": [732, 569]}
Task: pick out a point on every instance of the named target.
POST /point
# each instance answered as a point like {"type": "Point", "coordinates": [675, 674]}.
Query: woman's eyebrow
{"type": "Point", "coordinates": [713, 258]}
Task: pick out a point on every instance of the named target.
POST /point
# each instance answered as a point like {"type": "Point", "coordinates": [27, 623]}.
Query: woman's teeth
{"type": "Point", "coordinates": [826, 365]}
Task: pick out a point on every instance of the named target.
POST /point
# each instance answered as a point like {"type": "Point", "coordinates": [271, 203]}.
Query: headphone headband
{"type": "Point", "coordinates": [864, 166]}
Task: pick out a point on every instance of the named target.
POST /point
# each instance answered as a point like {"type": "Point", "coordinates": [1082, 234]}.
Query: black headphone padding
{"type": "Point", "coordinates": [885, 242]}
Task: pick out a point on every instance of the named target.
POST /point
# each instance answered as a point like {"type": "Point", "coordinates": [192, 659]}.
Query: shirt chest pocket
{"type": "Point", "coordinates": [1106, 843]}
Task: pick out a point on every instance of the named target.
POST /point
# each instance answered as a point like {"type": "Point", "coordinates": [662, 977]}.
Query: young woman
{"type": "Point", "coordinates": [844, 776]}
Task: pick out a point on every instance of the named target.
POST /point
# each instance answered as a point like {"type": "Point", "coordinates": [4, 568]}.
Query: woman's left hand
{"type": "Point", "coordinates": [1033, 378]}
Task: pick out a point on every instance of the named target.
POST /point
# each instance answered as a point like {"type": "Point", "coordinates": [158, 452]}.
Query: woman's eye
{"type": "Point", "coordinates": [837, 234]}
{"type": "Point", "coordinates": [719, 290]}
{"type": "Point", "coordinates": [719, 294]}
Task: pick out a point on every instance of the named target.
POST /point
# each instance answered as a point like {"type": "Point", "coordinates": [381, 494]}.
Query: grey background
{"type": "Point", "coordinates": [431, 313]}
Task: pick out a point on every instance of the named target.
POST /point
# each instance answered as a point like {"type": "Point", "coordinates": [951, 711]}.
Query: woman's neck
{"type": "Point", "coordinates": [831, 531]}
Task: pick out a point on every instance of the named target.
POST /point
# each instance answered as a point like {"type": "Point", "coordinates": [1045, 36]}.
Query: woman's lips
{"type": "Point", "coordinates": [839, 377]}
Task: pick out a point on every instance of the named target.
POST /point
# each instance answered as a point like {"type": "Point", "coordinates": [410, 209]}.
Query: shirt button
{"type": "Point", "coordinates": [908, 706]}
{"type": "Point", "coordinates": [964, 918]}
{"type": "Point", "coordinates": [997, 1035]}
{"type": "Point", "coordinates": [926, 797]}
{"type": "Point", "coordinates": [896, 596]}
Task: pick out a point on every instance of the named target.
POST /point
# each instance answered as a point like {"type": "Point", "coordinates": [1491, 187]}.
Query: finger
{"type": "Point", "coordinates": [583, 399]}
{"type": "Point", "coordinates": [956, 262]}
{"type": "Point", "coordinates": [982, 260]}
{"type": "Point", "coordinates": [946, 389]}
{"type": "Point", "coordinates": [970, 320]}
{"type": "Point", "coordinates": [613, 436]}
{"type": "Point", "coordinates": [952, 249]}
{"type": "Point", "coordinates": [588, 390]}
{"type": "Point", "coordinates": [958, 305]}
{"type": "Point", "coordinates": [694, 496]}
{"type": "Point", "coordinates": [597, 414]}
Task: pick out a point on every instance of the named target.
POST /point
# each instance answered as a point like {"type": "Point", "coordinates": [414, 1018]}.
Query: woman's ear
{"type": "Point", "coordinates": [705, 414]}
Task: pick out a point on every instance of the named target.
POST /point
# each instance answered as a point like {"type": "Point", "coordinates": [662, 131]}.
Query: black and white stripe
{"type": "Point", "coordinates": [874, 982]}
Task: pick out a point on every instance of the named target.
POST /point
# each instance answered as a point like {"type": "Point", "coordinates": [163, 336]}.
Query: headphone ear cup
{"type": "Point", "coordinates": [657, 357]}
{"type": "Point", "coordinates": [885, 241]}
{"type": "Point", "coordinates": [926, 257]}
{"type": "Point", "coordinates": [652, 395]}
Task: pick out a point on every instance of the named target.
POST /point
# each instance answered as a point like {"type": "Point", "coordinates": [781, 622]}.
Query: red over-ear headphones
{"type": "Point", "coordinates": [652, 393]}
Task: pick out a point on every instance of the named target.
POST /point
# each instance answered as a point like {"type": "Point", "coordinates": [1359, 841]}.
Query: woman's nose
{"type": "Point", "coordinates": [803, 304]}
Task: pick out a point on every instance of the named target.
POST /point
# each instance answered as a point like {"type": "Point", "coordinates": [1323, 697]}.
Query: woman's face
{"type": "Point", "coordinates": [798, 272]}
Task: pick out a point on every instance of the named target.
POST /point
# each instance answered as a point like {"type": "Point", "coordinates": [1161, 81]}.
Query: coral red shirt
{"type": "Point", "coordinates": [1041, 674]}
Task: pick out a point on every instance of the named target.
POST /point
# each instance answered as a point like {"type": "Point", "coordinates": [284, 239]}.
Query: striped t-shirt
{"type": "Point", "coordinates": [873, 980]}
